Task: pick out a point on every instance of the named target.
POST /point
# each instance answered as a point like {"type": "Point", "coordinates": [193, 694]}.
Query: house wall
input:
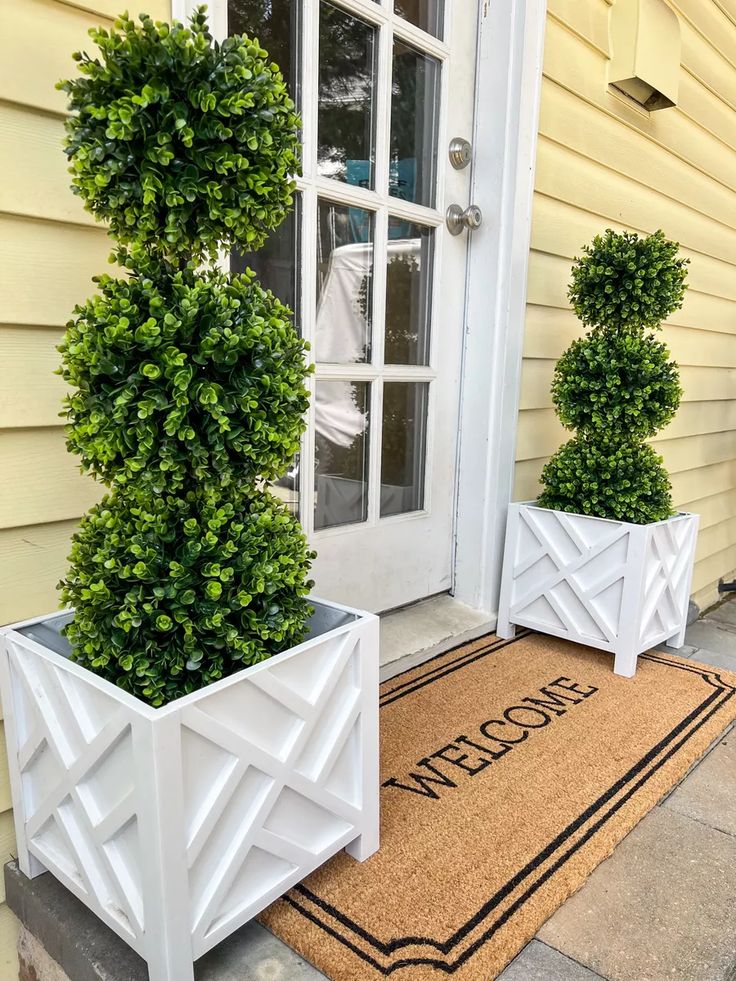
{"type": "Point", "coordinates": [603, 162]}
{"type": "Point", "coordinates": [49, 249]}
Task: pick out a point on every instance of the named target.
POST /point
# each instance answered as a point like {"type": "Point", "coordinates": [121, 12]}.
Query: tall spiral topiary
{"type": "Point", "coordinates": [188, 383]}
{"type": "Point", "coordinates": [617, 386]}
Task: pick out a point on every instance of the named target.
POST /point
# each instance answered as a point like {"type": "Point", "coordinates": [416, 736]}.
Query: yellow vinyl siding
{"type": "Point", "coordinates": [35, 179]}
{"type": "Point", "coordinates": [47, 268]}
{"type": "Point", "coordinates": [26, 355]}
{"type": "Point", "coordinates": [38, 39]}
{"type": "Point", "coordinates": [46, 485]}
{"type": "Point", "coordinates": [8, 942]}
{"type": "Point", "coordinates": [49, 250]}
{"type": "Point", "coordinates": [35, 556]}
{"type": "Point", "coordinates": [604, 162]}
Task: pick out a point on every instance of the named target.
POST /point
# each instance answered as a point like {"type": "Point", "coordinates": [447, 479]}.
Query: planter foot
{"type": "Point", "coordinates": [677, 640]}
{"type": "Point", "coordinates": [505, 630]}
{"type": "Point", "coordinates": [29, 864]}
{"type": "Point", "coordinates": [624, 663]}
{"type": "Point", "coordinates": [172, 961]}
{"type": "Point", "coordinates": [363, 847]}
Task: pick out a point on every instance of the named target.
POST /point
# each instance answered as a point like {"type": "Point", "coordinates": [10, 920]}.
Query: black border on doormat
{"type": "Point", "coordinates": [551, 858]}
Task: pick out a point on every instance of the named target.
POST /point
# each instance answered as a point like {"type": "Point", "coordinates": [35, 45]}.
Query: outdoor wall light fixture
{"type": "Point", "coordinates": [645, 52]}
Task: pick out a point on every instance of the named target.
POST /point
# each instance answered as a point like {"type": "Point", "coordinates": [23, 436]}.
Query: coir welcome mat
{"type": "Point", "coordinates": [509, 771]}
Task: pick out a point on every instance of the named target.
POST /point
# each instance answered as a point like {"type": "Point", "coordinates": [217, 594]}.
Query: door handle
{"type": "Point", "coordinates": [456, 219]}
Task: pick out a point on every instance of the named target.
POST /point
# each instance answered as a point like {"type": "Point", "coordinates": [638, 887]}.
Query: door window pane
{"type": "Point", "coordinates": [403, 446]}
{"type": "Point", "coordinates": [341, 410]}
{"type": "Point", "coordinates": [286, 488]}
{"type": "Point", "coordinates": [347, 70]}
{"type": "Point", "coordinates": [427, 14]}
{"type": "Point", "coordinates": [342, 333]}
{"type": "Point", "coordinates": [277, 264]}
{"type": "Point", "coordinates": [414, 112]}
{"type": "Point", "coordinates": [408, 292]}
{"type": "Point", "coordinates": [275, 23]}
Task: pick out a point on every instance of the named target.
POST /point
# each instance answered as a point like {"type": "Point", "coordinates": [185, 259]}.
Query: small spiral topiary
{"type": "Point", "coordinates": [179, 142]}
{"type": "Point", "coordinates": [617, 386]}
{"type": "Point", "coordinates": [188, 384]}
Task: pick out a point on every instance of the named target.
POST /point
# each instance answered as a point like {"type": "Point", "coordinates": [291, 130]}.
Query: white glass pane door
{"type": "Point", "coordinates": [376, 281]}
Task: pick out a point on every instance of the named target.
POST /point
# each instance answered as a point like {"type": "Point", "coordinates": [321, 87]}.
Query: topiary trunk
{"type": "Point", "coordinates": [189, 383]}
{"type": "Point", "coordinates": [617, 387]}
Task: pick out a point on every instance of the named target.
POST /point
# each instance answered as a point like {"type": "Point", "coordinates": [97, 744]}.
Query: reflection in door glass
{"type": "Point", "coordinates": [275, 23]}
{"type": "Point", "coordinates": [414, 112]}
{"type": "Point", "coordinates": [345, 124]}
{"type": "Point", "coordinates": [403, 446]}
{"type": "Point", "coordinates": [286, 488]}
{"type": "Point", "coordinates": [408, 292]}
{"type": "Point", "coordinates": [427, 14]}
{"type": "Point", "coordinates": [341, 410]}
{"type": "Point", "coordinates": [342, 333]}
{"type": "Point", "coordinates": [277, 263]}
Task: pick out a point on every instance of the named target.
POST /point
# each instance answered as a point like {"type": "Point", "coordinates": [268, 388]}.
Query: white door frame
{"type": "Point", "coordinates": [510, 50]}
{"type": "Point", "coordinates": [509, 63]}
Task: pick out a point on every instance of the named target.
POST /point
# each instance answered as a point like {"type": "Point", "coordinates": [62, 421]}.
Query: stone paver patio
{"type": "Point", "coordinates": [663, 906]}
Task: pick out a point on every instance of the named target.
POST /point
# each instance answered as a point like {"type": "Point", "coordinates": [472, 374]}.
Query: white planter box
{"type": "Point", "coordinates": [609, 584]}
{"type": "Point", "coordinates": [177, 825]}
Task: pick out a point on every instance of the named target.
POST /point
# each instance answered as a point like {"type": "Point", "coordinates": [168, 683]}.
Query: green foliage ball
{"type": "Point", "coordinates": [616, 382]}
{"type": "Point", "coordinates": [620, 479]}
{"type": "Point", "coordinates": [184, 375]}
{"type": "Point", "coordinates": [625, 280]}
{"type": "Point", "coordinates": [178, 142]}
{"type": "Point", "coordinates": [172, 593]}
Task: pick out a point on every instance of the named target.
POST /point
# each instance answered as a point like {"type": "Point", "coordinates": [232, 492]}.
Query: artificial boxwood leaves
{"type": "Point", "coordinates": [628, 280]}
{"type": "Point", "coordinates": [184, 375]}
{"type": "Point", "coordinates": [188, 384]}
{"type": "Point", "coordinates": [616, 382]}
{"type": "Point", "coordinates": [173, 592]}
{"type": "Point", "coordinates": [180, 142]}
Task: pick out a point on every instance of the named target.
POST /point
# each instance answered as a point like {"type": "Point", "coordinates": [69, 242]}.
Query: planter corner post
{"type": "Point", "coordinates": [367, 843]}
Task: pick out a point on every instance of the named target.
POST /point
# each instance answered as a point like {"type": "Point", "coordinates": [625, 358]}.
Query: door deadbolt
{"type": "Point", "coordinates": [456, 219]}
{"type": "Point", "coordinates": [460, 152]}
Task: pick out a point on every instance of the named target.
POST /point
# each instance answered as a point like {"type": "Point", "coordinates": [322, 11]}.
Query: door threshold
{"type": "Point", "coordinates": [415, 633]}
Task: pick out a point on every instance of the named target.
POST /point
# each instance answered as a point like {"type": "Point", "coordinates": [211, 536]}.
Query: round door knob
{"type": "Point", "coordinates": [472, 217]}
{"type": "Point", "coordinates": [457, 219]}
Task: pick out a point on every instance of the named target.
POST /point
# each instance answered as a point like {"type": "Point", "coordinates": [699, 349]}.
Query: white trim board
{"type": "Point", "coordinates": [510, 50]}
